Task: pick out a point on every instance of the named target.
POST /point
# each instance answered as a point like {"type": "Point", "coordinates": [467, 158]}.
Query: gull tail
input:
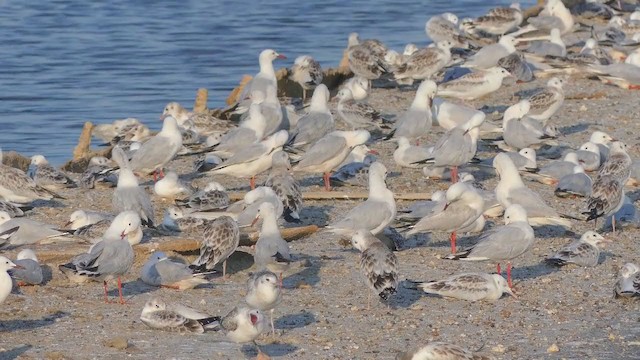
{"type": "Point", "coordinates": [457, 256]}
{"type": "Point", "coordinates": [555, 261]}
{"type": "Point", "coordinates": [384, 294]}
{"type": "Point", "coordinates": [210, 323]}
{"type": "Point", "coordinates": [592, 214]}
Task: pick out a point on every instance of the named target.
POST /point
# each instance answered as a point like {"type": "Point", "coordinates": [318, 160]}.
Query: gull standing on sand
{"type": "Point", "coordinates": [263, 293]}
{"type": "Point", "coordinates": [582, 252]}
{"type": "Point", "coordinates": [159, 270]}
{"type": "Point", "coordinates": [266, 77]}
{"type": "Point", "coordinates": [463, 206]}
{"type": "Point", "coordinates": [316, 123]}
{"type": "Point", "coordinates": [170, 187]}
{"type": "Point", "coordinates": [220, 239]}
{"type": "Point", "coordinates": [442, 351]}
{"type": "Point", "coordinates": [128, 194]}
{"type": "Point", "coordinates": [18, 188]}
{"type": "Point", "coordinates": [253, 160]}
{"type": "Point", "coordinates": [499, 21]}
{"type": "Point", "coordinates": [330, 151]}
{"type": "Point", "coordinates": [356, 114]}
{"type": "Point", "coordinates": [29, 271]}
{"type": "Point", "coordinates": [244, 325]}
{"type": "Point", "coordinates": [511, 190]}
{"type": "Point", "coordinates": [575, 184]}
{"type": "Point", "coordinates": [82, 218]}
{"type": "Point", "coordinates": [156, 314]}
{"type": "Point", "coordinates": [375, 213]}
{"type": "Point", "coordinates": [108, 259]}
{"type": "Point", "coordinates": [416, 121]}
{"type": "Point", "coordinates": [627, 285]}
{"type": "Point", "coordinates": [108, 228]}
{"type": "Point", "coordinates": [502, 243]}
{"type": "Point", "coordinates": [362, 61]}
{"type": "Point", "coordinates": [458, 145]}
{"type": "Point", "coordinates": [474, 85]}
{"type": "Point", "coordinates": [469, 286]}
{"type": "Point", "coordinates": [29, 231]}
{"type": "Point", "coordinates": [424, 63]}
{"type": "Point", "coordinates": [489, 55]}
{"type": "Point", "coordinates": [444, 27]}
{"type": "Point", "coordinates": [156, 152]}
{"type": "Point", "coordinates": [47, 176]}
{"type": "Point", "coordinates": [6, 284]}
{"type": "Point", "coordinates": [378, 264]}
{"type": "Point", "coordinates": [272, 251]}
{"type": "Point", "coordinates": [307, 72]}
{"type": "Point", "coordinates": [285, 186]}
{"type": "Point", "coordinates": [547, 102]}
{"type": "Point", "coordinates": [212, 197]}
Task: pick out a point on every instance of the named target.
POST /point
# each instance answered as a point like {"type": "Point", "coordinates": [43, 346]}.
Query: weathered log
{"type": "Point", "coordinates": [340, 195]}
{"type": "Point", "coordinates": [200, 104]}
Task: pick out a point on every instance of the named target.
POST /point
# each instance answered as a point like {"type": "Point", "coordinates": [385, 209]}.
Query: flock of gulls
{"type": "Point", "coordinates": [467, 60]}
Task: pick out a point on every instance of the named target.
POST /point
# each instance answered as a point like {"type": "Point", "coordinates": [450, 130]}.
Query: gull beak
{"type": "Point", "coordinates": [373, 152]}
{"type": "Point", "coordinates": [67, 224]}
{"type": "Point", "coordinates": [123, 235]}
{"type": "Point", "coordinates": [255, 220]}
{"type": "Point", "coordinates": [16, 266]}
{"type": "Point", "coordinates": [254, 318]}
{"type": "Point", "coordinates": [510, 292]}
{"type": "Point", "coordinates": [446, 206]}
{"type": "Point", "coordinates": [280, 56]}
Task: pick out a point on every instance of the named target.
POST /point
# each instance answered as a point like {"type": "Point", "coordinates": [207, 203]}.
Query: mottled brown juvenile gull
{"type": "Point", "coordinates": [442, 351]}
{"type": "Point", "coordinates": [582, 252]}
{"type": "Point", "coordinates": [47, 176]}
{"type": "Point", "coordinates": [444, 27]}
{"type": "Point", "coordinates": [220, 239]}
{"type": "Point", "coordinates": [424, 63]}
{"type": "Point", "coordinates": [307, 72]}
{"type": "Point", "coordinates": [364, 62]}
{"type": "Point", "coordinates": [212, 197]}
{"type": "Point", "coordinates": [499, 21]}
{"type": "Point", "coordinates": [156, 314]}
{"type": "Point", "coordinates": [474, 85]}
{"type": "Point", "coordinates": [18, 188]}
{"type": "Point", "coordinates": [263, 293]}
{"type": "Point", "coordinates": [285, 186]}
{"type": "Point", "coordinates": [160, 270]}
{"type": "Point", "coordinates": [628, 284]}
{"type": "Point", "coordinates": [469, 286]}
{"type": "Point", "coordinates": [357, 115]}
{"type": "Point", "coordinates": [81, 218]}
{"type": "Point", "coordinates": [547, 102]}
{"type": "Point", "coordinates": [378, 263]}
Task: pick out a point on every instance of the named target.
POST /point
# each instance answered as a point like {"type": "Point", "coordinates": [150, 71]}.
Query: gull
{"type": "Point", "coordinates": [502, 243]}
{"type": "Point", "coordinates": [272, 252]}
{"type": "Point", "coordinates": [6, 284]}
{"type": "Point", "coordinates": [378, 264]}
{"type": "Point", "coordinates": [108, 259]}
{"type": "Point", "coordinates": [108, 228]}
{"type": "Point", "coordinates": [244, 325]}
{"type": "Point", "coordinates": [359, 87]}
{"type": "Point", "coordinates": [170, 187]}
{"type": "Point", "coordinates": [517, 131]}
{"type": "Point", "coordinates": [626, 216]}
{"type": "Point", "coordinates": [247, 208]}
{"type": "Point", "coordinates": [176, 220]}
{"type": "Point", "coordinates": [202, 122]}
{"type": "Point", "coordinates": [18, 188]}
{"type": "Point", "coordinates": [489, 55]}
{"type": "Point", "coordinates": [602, 140]}
{"type": "Point", "coordinates": [474, 85]}
{"type": "Point", "coordinates": [575, 184]}
{"type": "Point", "coordinates": [582, 252]}
{"type": "Point", "coordinates": [81, 218]}
{"type": "Point", "coordinates": [98, 169]}
{"type": "Point", "coordinates": [128, 194]}
{"type": "Point", "coordinates": [29, 232]}
{"type": "Point", "coordinates": [220, 239]}
{"type": "Point", "coordinates": [554, 47]}
{"type": "Point", "coordinates": [156, 314]}
{"type": "Point", "coordinates": [363, 62]}
{"type": "Point", "coordinates": [13, 210]}
{"type": "Point", "coordinates": [375, 213]}
{"type": "Point", "coordinates": [416, 121]}
{"type": "Point", "coordinates": [625, 75]}
{"type": "Point", "coordinates": [589, 156]}
{"type": "Point", "coordinates": [251, 130]}
{"type": "Point", "coordinates": [469, 286]}
{"type": "Point", "coordinates": [107, 132]}
{"type": "Point", "coordinates": [330, 151]}
{"type": "Point", "coordinates": [266, 77]}
{"type": "Point", "coordinates": [592, 53]}
{"type": "Point", "coordinates": [212, 197]}
{"type": "Point", "coordinates": [546, 103]}
{"type": "Point", "coordinates": [271, 109]}
{"type": "Point", "coordinates": [47, 176]}
{"type": "Point", "coordinates": [316, 123]}
{"type": "Point", "coordinates": [553, 15]}
{"type": "Point", "coordinates": [627, 285]}
{"type": "Point", "coordinates": [448, 114]}
{"type": "Point", "coordinates": [445, 27]}
{"type": "Point", "coordinates": [156, 152]}
{"type": "Point", "coordinates": [552, 172]}
{"type": "Point", "coordinates": [285, 186]}
{"type": "Point", "coordinates": [206, 162]}
{"type": "Point", "coordinates": [499, 21]}
{"type": "Point", "coordinates": [354, 173]}
{"type": "Point", "coordinates": [424, 63]}
{"type": "Point", "coordinates": [263, 293]}
{"type": "Point", "coordinates": [458, 145]}
{"type": "Point", "coordinates": [517, 65]}
{"type": "Point", "coordinates": [420, 209]}
{"type": "Point", "coordinates": [5, 235]}
{"type": "Point", "coordinates": [358, 154]}
{"type": "Point", "coordinates": [160, 270]}
{"type": "Point", "coordinates": [28, 270]}
{"type": "Point", "coordinates": [511, 190]}
{"type": "Point", "coordinates": [442, 351]}
{"type": "Point", "coordinates": [525, 159]}
{"type": "Point", "coordinates": [306, 71]}
{"type": "Point", "coordinates": [253, 160]}
{"type": "Point", "coordinates": [356, 114]}
{"type": "Point", "coordinates": [463, 205]}
{"type": "Point", "coordinates": [410, 156]}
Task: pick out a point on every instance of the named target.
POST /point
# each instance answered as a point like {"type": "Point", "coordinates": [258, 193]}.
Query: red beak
{"type": "Point", "coordinates": [67, 224]}
{"type": "Point", "coordinates": [15, 266]}
{"type": "Point", "coordinates": [373, 152]}
{"type": "Point", "coordinates": [254, 319]}
{"type": "Point", "coordinates": [255, 221]}
{"type": "Point", "coordinates": [280, 56]}
{"type": "Point", "coordinates": [122, 235]}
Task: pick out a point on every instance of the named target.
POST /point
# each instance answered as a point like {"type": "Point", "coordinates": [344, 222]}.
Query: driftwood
{"type": "Point", "coordinates": [18, 161]}
{"type": "Point", "coordinates": [200, 104]}
{"type": "Point", "coordinates": [84, 142]}
{"type": "Point", "coordinates": [341, 195]}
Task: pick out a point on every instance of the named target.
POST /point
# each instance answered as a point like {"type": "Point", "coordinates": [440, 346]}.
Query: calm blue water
{"type": "Point", "coordinates": [64, 62]}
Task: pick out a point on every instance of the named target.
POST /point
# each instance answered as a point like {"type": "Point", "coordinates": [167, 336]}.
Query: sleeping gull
{"type": "Point", "coordinates": [128, 194]}
{"type": "Point", "coordinates": [628, 283]}
{"type": "Point", "coordinates": [47, 176]}
{"type": "Point", "coordinates": [489, 55]}
{"type": "Point", "coordinates": [589, 156]}
{"type": "Point", "coordinates": [424, 63]}
{"type": "Point", "coordinates": [356, 114]}
{"type": "Point", "coordinates": [285, 186]}
{"type": "Point", "coordinates": [499, 21]}
{"type": "Point", "coordinates": [316, 123]}
{"type": "Point", "coordinates": [160, 270]}
{"type": "Point", "coordinates": [263, 293]}
{"type": "Point", "coordinates": [30, 231]}
{"type": "Point", "coordinates": [553, 171]}
{"type": "Point", "coordinates": [355, 173]}
{"type": "Point", "coordinates": [18, 188]}
{"type": "Point", "coordinates": [474, 85]}
{"type": "Point", "coordinates": [442, 351]}
{"type": "Point", "coordinates": [156, 152]}
{"type": "Point", "coordinates": [220, 239]}
{"type": "Point", "coordinates": [517, 132]}
{"type": "Point", "coordinates": [469, 286]}
{"type": "Point", "coordinates": [6, 284]}
{"type": "Point", "coordinates": [553, 47]}
{"type": "Point", "coordinates": [108, 259]}
{"type": "Point", "coordinates": [29, 271]}
{"type": "Point", "coordinates": [582, 252]}
{"type": "Point", "coordinates": [517, 66]}
{"type": "Point", "coordinates": [272, 251]}
{"type": "Point", "coordinates": [306, 71]}
{"type": "Point", "coordinates": [378, 264]}
{"type": "Point", "coordinates": [359, 87]}
{"type": "Point", "coordinates": [525, 159]}
{"type": "Point", "coordinates": [203, 122]}
{"type": "Point", "coordinates": [575, 184]}
{"type": "Point", "coordinates": [375, 213]}
{"type": "Point", "coordinates": [329, 152]}
{"type": "Point", "coordinates": [449, 114]}
{"type": "Point", "coordinates": [212, 197]}
{"type": "Point", "coordinates": [416, 121]}
{"type": "Point", "coordinates": [170, 187]}
{"type": "Point", "coordinates": [82, 218]}
{"type": "Point", "coordinates": [511, 190]}
{"type": "Point", "coordinates": [502, 243]}
{"type": "Point", "coordinates": [444, 27]}
{"type": "Point", "coordinates": [156, 314]}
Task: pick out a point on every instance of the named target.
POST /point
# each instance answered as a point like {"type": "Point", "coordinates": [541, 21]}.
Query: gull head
{"type": "Point", "coordinates": [280, 159]}
{"type": "Point", "coordinates": [528, 153]}
{"type": "Point", "coordinates": [6, 264]}
{"type": "Point", "coordinates": [409, 49]}
{"type": "Point", "coordinates": [171, 214]}
{"type": "Point", "coordinates": [38, 160]}
{"type": "Point", "coordinates": [515, 6]}
{"type": "Point", "coordinates": [258, 193]}
{"type": "Point", "coordinates": [590, 147]}
{"type": "Point", "coordinates": [514, 213]}
{"type": "Point", "coordinates": [474, 122]}
{"type": "Point", "coordinates": [156, 256]}
{"type": "Point", "coordinates": [174, 109]}
{"type": "Point", "coordinates": [599, 137]}
{"type": "Point", "coordinates": [269, 55]}
{"type": "Point", "coordinates": [320, 97]}
{"type": "Point", "coordinates": [450, 17]}
{"type": "Point", "coordinates": [378, 170]}
{"type": "Point", "coordinates": [501, 283]}
{"type": "Point", "coordinates": [99, 161]}
{"type": "Point", "coordinates": [403, 142]}
{"type": "Point", "coordinates": [618, 147]}
{"type": "Point", "coordinates": [508, 40]}
{"type": "Point", "coordinates": [590, 44]}
{"type": "Point", "coordinates": [344, 94]}
{"type": "Point", "coordinates": [303, 60]}
{"type": "Point", "coordinates": [445, 45]}
{"type": "Point", "coordinates": [427, 90]}
{"type": "Point", "coordinates": [354, 39]}
{"type": "Point", "coordinates": [267, 279]}
{"type": "Point", "coordinates": [128, 221]}
{"type": "Point", "coordinates": [266, 209]}
{"type": "Point", "coordinates": [595, 239]}
{"type": "Point", "coordinates": [555, 82]}
{"type": "Point", "coordinates": [78, 216]}
{"type": "Point", "coordinates": [499, 72]}
{"type": "Point", "coordinates": [27, 254]}
{"type": "Point", "coordinates": [628, 270]}
{"type": "Point", "coordinates": [153, 305]}
{"type": "Point", "coordinates": [362, 239]}
{"type": "Point", "coordinates": [214, 186]}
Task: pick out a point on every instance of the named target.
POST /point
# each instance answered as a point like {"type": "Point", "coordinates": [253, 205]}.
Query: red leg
{"type": "Point", "coordinates": [327, 182]}
{"type": "Point", "coordinates": [613, 224]}
{"type": "Point", "coordinates": [509, 274]}
{"type": "Point", "coordinates": [224, 270]}
{"type": "Point", "coordinates": [453, 242]}
{"type": "Point", "coordinates": [253, 182]}
{"type": "Point", "coordinates": [155, 176]}
{"type": "Point", "coordinates": [454, 174]}
{"type": "Point", "coordinates": [280, 284]}
{"type": "Point", "coordinates": [120, 291]}
{"type": "Point", "coordinates": [106, 295]}
{"type": "Point", "coordinates": [634, 87]}
{"type": "Point", "coordinates": [498, 269]}
{"type": "Point", "coordinates": [161, 173]}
